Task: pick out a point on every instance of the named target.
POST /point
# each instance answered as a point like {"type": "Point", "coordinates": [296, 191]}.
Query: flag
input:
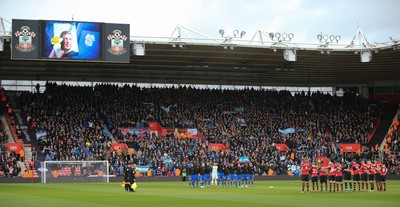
{"type": "Point", "coordinates": [239, 109]}
{"type": "Point", "coordinates": [241, 122]}
{"type": "Point", "coordinates": [166, 108]}
{"type": "Point", "coordinates": [40, 134]}
{"type": "Point", "coordinates": [167, 160]}
{"type": "Point", "coordinates": [142, 168]}
{"type": "Point", "coordinates": [243, 159]}
{"type": "Point", "coordinates": [192, 131]}
{"type": "Point", "coordinates": [287, 131]}
{"type": "Point", "coordinates": [134, 186]}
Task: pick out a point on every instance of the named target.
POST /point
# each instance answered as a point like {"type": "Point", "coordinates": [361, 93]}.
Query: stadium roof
{"type": "Point", "coordinates": [228, 60]}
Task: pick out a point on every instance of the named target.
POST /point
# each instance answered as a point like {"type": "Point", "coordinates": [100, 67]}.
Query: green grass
{"type": "Point", "coordinates": [177, 194]}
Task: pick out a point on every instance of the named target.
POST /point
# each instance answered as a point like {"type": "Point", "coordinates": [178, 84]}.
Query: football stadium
{"type": "Point", "coordinates": [93, 115]}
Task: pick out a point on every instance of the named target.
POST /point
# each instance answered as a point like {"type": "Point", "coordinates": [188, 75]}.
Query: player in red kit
{"type": "Point", "coordinates": [305, 174]}
{"type": "Point", "coordinates": [378, 169]}
{"type": "Point", "coordinates": [364, 176]}
{"type": "Point", "coordinates": [332, 177]}
{"type": "Point", "coordinates": [371, 174]}
{"type": "Point", "coordinates": [339, 176]}
{"type": "Point", "coordinates": [383, 172]}
{"type": "Point", "coordinates": [323, 176]}
{"type": "Point", "coordinates": [314, 176]}
{"type": "Point", "coordinates": [356, 174]}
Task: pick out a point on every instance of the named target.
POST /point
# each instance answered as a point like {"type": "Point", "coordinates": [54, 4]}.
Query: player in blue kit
{"type": "Point", "coordinates": [250, 170]}
{"type": "Point", "coordinates": [220, 174]}
{"type": "Point", "coordinates": [232, 175]}
{"type": "Point", "coordinates": [239, 175]}
{"type": "Point", "coordinates": [207, 176]}
{"type": "Point", "coordinates": [245, 175]}
{"type": "Point", "coordinates": [195, 176]}
{"type": "Point", "coordinates": [202, 172]}
{"type": "Point", "coordinates": [225, 178]}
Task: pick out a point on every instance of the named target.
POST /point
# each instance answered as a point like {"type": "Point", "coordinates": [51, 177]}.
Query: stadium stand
{"type": "Point", "coordinates": [72, 123]}
{"type": "Point", "coordinates": [9, 166]}
{"type": "Point", "coordinates": [392, 146]}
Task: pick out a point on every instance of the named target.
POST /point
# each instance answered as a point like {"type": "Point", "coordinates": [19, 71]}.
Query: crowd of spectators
{"type": "Point", "coordinates": [73, 121]}
{"type": "Point", "coordinates": [68, 123]}
{"type": "Point", "coordinates": [8, 160]}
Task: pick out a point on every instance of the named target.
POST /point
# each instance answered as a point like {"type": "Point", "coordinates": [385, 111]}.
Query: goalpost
{"type": "Point", "coordinates": [75, 171]}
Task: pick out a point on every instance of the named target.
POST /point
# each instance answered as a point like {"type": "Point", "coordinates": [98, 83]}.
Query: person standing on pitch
{"type": "Point", "coordinates": [207, 176]}
{"type": "Point", "coordinates": [356, 174]}
{"type": "Point", "coordinates": [305, 175]}
{"type": "Point", "coordinates": [214, 175]}
{"type": "Point", "coordinates": [202, 172]}
{"type": "Point", "coordinates": [323, 176]}
{"type": "Point", "coordinates": [383, 172]}
{"type": "Point", "coordinates": [314, 176]}
{"type": "Point", "coordinates": [127, 180]}
{"type": "Point", "coordinates": [347, 177]}
{"type": "Point", "coordinates": [129, 177]}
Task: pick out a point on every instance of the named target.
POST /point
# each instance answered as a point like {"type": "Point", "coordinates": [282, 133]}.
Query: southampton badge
{"type": "Point", "coordinates": [25, 37]}
{"type": "Point", "coordinates": [117, 43]}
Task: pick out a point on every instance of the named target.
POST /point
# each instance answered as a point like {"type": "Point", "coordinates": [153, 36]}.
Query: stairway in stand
{"type": "Point", "coordinates": [389, 113]}
{"type": "Point", "coordinates": [19, 133]}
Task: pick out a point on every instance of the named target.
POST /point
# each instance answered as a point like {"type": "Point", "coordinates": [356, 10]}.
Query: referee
{"type": "Point", "coordinates": [129, 177]}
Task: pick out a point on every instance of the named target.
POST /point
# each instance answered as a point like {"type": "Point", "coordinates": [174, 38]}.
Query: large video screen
{"type": "Point", "coordinates": [72, 40]}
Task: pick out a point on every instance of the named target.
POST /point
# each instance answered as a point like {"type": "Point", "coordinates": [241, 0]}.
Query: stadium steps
{"type": "Point", "coordinates": [388, 114]}
{"type": "Point", "coordinates": [113, 139]}
{"type": "Point", "coordinates": [11, 126]}
{"type": "Point", "coordinates": [7, 128]}
{"type": "Point", "coordinates": [26, 165]}
{"type": "Point", "coordinates": [13, 138]}
{"type": "Point", "coordinates": [11, 129]}
{"type": "Point", "coordinates": [27, 136]}
{"type": "Point", "coordinates": [22, 165]}
{"type": "Point", "coordinates": [28, 158]}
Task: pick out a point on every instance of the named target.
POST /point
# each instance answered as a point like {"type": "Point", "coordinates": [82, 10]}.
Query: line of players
{"type": "Point", "coordinates": [362, 174]}
{"type": "Point", "coordinates": [228, 175]}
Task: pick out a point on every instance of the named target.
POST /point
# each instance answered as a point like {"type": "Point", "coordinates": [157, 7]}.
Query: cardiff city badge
{"type": "Point", "coordinates": [25, 37]}
{"type": "Point", "coordinates": [117, 43]}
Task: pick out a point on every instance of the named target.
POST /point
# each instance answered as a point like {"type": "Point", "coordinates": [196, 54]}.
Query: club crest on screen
{"type": "Point", "coordinates": [117, 43]}
{"type": "Point", "coordinates": [25, 37]}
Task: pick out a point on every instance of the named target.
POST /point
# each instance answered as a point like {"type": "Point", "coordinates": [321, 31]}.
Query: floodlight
{"type": "Point", "coordinates": [242, 34]}
{"type": "Point", "coordinates": [235, 32]}
{"type": "Point", "coordinates": [221, 32]}
{"type": "Point", "coordinates": [319, 37]}
{"type": "Point", "coordinates": [271, 35]}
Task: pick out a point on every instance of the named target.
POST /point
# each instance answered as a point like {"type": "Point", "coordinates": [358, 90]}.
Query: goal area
{"type": "Point", "coordinates": [74, 171]}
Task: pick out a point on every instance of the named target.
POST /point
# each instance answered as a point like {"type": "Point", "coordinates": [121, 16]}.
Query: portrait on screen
{"type": "Point", "coordinates": [71, 40]}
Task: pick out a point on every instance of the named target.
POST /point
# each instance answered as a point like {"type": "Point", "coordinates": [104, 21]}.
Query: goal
{"type": "Point", "coordinates": [74, 171]}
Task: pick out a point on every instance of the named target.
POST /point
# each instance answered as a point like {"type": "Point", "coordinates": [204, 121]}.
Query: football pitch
{"type": "Point", "coordinates": [179, 194]}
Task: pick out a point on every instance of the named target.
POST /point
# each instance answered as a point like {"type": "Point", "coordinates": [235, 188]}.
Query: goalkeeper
{"type": "Point", "coordinates": [214, 175]}
{"type": "Point", "coordinates": [129, 177]}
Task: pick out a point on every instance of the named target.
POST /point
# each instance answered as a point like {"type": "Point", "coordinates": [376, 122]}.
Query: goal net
{"type": "Point", "coordinates": [74, 171]}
